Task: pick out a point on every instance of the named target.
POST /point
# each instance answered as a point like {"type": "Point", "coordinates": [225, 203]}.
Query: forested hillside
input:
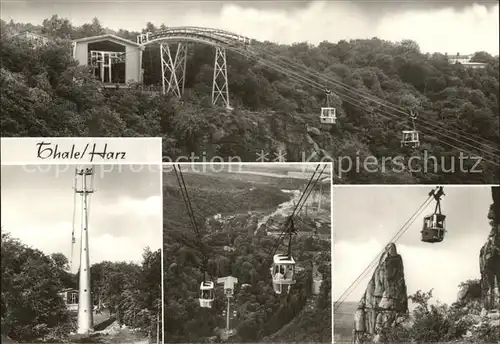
{"type": "Point", "coordinates": [237, 248]}
{"type": "Point", "coordinates": [45, 94]}
{"type": "Point", "coordinates": [34, 311]}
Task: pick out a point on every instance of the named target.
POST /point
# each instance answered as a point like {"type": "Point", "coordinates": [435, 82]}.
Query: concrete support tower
{"type": "Point", "coordinates": [85, 312]}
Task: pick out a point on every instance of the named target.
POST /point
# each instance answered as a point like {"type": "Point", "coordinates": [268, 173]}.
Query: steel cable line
{"type": "Point", "coordinates": [277, 243]}
{"type": "Point", "coordinates": [428, 121]}
{"type": "Point", "coordinates": [363, 94]}
{"type": "Point", "coordinates": [319, 86]}
{"type": "Point", "coordinates": [187, 201]}
{"type": "Point", "coordinates": [437, 138]}
{"type": "Point", "coordinates": [189, 204]}
{"type": "Point", "coordinates": [432, 122]}
{"type": "Point", "coordinates": [353, 103]}
{"type": "Point", "coordinates": [305, 195]}
{"type": "Point", "coordinates": [289, 220]}
{"type": "Point", "coordinates": [311, 189]}
{"type": "Point", "coordinates": [398, 234]}
{"type": "Point", "coordinates": [247, 54]}
{"type": "Point", "coordinates": [191, 217]}
{"type": "Point", "coordinates": [365, 272]}
{"type": "Point", "coordinates": [316, 74]}
{"type": "Point", "coordinates": [394, 239]}
{"type": "Point", "coordinates": [307, 186]}
{"type": "Point", "coordinates": [300, 78]}
{"type": "Point", "coordinates": [297, 211]}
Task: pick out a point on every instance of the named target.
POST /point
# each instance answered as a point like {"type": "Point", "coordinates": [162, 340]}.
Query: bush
{"type": "Point", "coordinates": [441, 323]}
{"type": "Point", "coordinates": [485, 333]}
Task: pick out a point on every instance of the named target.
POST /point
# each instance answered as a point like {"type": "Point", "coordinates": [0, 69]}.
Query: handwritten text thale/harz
{"type": "Point", "coordinates": [48, 150]}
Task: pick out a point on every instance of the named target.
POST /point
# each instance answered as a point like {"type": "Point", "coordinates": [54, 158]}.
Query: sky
{"type": "Point", "coordinates": [125, 210]}
{"type": "Point", "coordinates": [366, 218]}
{"type": "Point", "coordinates": [438, 26]}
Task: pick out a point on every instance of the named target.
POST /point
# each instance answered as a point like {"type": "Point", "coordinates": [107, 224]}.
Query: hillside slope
{"type": "Point", "coordinates": [45, 94]}
{"type": "Point", "coordinates": [309, 326]}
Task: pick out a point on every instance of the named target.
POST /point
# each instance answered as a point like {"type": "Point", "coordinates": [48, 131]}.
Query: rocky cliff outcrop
{"type": "Point", "coordinates": [469, 294]}
{"type": "Point", "coordinates": [385, 301]}
{"type": "Point", "coordinates": [489, 257]}
{"type": "Point", "coordinates": [266, 136]}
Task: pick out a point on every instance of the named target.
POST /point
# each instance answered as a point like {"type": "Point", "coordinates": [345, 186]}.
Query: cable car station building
{"type": "Point", "coordinates": [70, 297]}
{"type": "Point", "coordinates": [115, 60]}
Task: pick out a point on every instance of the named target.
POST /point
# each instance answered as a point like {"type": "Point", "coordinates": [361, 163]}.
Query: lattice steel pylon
{"type": "Point", "coordinates": [220, 89]}
{"type": "Point", "coordinates": [173, 70]}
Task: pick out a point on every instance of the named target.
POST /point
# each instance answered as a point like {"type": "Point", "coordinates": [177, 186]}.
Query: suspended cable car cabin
{"type": "Point", "coordinates": [328, 113]}
{"type": "Point", "coordinates": [206, 294]}
{"type": "Point", "coordinates": [283, 266]}
{"type": "Point", "coordinates": [434, 227]}
{"type": "Point", "coordinates": [411, 138]}
{"type": "Point", "coordinates": [283, 273]}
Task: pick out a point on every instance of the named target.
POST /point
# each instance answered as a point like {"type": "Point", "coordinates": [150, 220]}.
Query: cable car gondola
{"type": "Point", "coordinates": [328, 113]}
{"type": "Point", "coordinates": [434, 227]}
{"type": "Point", "coordinates": [410, 137]}
{"type": "Point", "coordinates": [283, 267]}
{"type": "Point", "coordinates": [206, 294]}
{"type": "Point", "coordinates": [283, 273]}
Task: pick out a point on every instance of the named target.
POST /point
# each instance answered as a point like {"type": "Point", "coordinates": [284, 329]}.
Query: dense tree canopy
{"type": "Point", "coordinates": [44, 93]}
{"type": "Point", "coordinates": [236, 247]}
{"type": "Point", "coordinates": [130, 291]}
{"type": "Point", "coordinates": [32, 308]}
{"type": "Point", "coordinates": [31, 281]}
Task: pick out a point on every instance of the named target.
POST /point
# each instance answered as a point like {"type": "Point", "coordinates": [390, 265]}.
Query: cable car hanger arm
{"type": "Point", "coordinates": [437, 193]}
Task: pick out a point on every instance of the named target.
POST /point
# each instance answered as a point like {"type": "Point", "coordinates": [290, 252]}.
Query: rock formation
{"type": "Point", "coordinates": [489, 257]}
{"type": "Point", "coordinates": [385, 300]}
{"type": "Point", "coordinates": [469, 293]}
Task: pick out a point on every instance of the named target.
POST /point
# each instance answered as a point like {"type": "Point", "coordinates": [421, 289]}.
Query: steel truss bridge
{"type": "Point", "coordinates": [173, 68]}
